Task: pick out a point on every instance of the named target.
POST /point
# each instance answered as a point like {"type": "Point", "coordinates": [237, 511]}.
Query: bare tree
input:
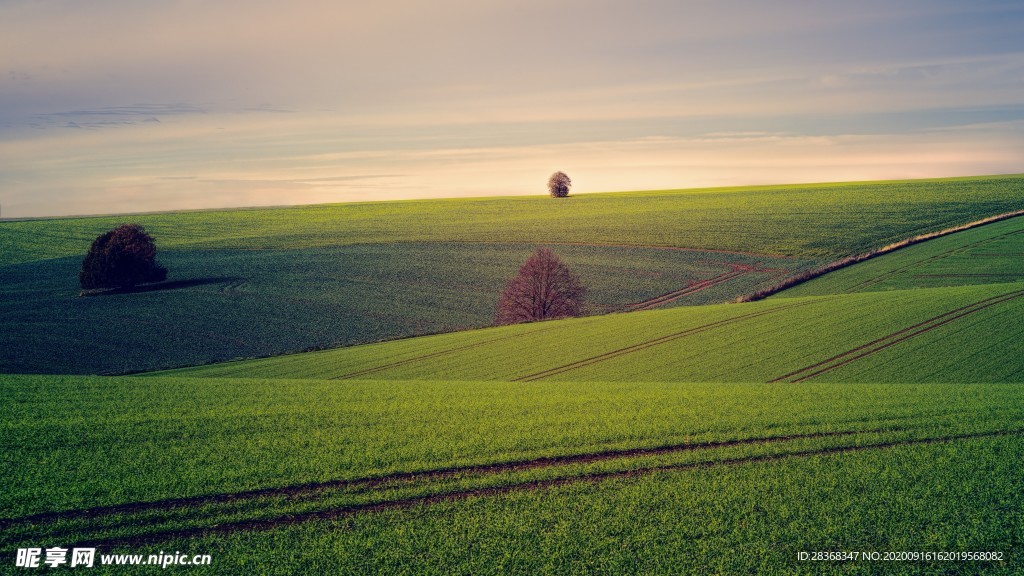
{"type": "Point", "coordinates": [543, 289]}
{"type": "Point", "coordinates": [559, 184]}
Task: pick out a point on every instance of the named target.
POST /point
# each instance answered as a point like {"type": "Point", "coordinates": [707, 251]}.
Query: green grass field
{"type": "Point", "coordinates": [901, 329]}
{"type": "Point", "coordinates": [874, 409]}
{"type": "Point", "coordinates": [246, 469]}
{"type": "Point", "coordinates": [806, 220]}
{"type": "Point", "coordinates": [240, 303]}
{"type": "Point", "coordinates": [992, 253]}
{"type": "Point", "coordinates": [262, 282]}
{"type": "Point", "coordinates": [893, 337]}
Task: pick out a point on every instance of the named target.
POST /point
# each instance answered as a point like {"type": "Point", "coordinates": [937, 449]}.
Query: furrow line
{"type": "Point", "coordinates": [440, 473]}
{"type": "Point", "coordinates": [885, 276]}
{"type": "Point", "coordinates": [650, 343]}
{"type": "Point", "coordinates": [692, 289]}
{"type": "Point", "coordinates": [431, 355]}
{"type": "Point", "coordinates": [888, 341]}
{"type": "Point", "coordinates": [884, 338]}
{"type": "Point", "coordinates": [696, 286]}
{"type": "Point", "coordinates": [528, 486]}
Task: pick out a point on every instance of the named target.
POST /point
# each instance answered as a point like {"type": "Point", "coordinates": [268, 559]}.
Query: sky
{"type": "Point", "coordinates": [111, 106]}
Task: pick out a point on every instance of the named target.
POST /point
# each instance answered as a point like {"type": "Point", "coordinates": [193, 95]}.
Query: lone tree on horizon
{"type": "Point", "coordinates": [121, 258]}
{"type": "Point", "coordinates": [559, 184]}
{"type": "Point", "coordinates": [544, 289]}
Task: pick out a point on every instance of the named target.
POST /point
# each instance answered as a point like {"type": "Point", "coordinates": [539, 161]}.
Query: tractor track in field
{"type": "Point", "coordinates": [735, 271]}
{"type": "Point", "coordinates": [925, 261]}
{"type": "Point", "coordinates": [432, 355]}
{"type": "Point", "coordinates": [693, 288]}
{"type": "Point", "coordinates": [894, 338]}
{"type": "Point", "coordinates": [440, 473]}
{"type": "Point", "coordinates": [651, 343]}
{"type": "Point", "coordinates": [336, 513]}
{"type": "Point", "coordinates": [370, 482]}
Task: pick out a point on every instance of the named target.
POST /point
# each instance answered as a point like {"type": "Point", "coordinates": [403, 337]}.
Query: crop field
{"type": "Point", "coordinates": [238, 303]}
{"type": "Point", "coordinates": [871, 322]}
{"type": "Point", "coordinates": [977, 329]}
{"type": "Point", "coordinates": [262, 282]}
{"type": "Point", "coordinates": [805, 220]}
{"type": "Point", "coordinates": [992, 253]}
{"type": "Point", "coordinates": [248, 469]}
{"type": "Point", "coordinates": [688, 219]}
{"type": "Point", "coordinates": [875, 409]}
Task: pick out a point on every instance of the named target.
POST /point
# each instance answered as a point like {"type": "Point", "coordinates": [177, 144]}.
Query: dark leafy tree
{"type": "Point", "coordinates": [121, 258]}
{"type": "Point", "coordinates": [559, 184]}
{"type": "Point", "coordinates": [543, 289]}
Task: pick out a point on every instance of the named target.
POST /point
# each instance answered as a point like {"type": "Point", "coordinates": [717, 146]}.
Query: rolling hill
{"type": "Point", "coordinates": [915, 321]}
{"type": "Point", "coordinates": [262, 282]}
{"type": "Point", "coordinates": [876, 409]}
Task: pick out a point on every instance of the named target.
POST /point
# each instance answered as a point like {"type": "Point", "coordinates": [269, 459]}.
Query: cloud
{"type": "Point", "coordinates": [390, 56]}
{"type": "Point", "coordinates": [114, 116]}
{"type": "Point", "coordinates": [103, 98]}
{"type": "Point", "coordinates": [173, 173]}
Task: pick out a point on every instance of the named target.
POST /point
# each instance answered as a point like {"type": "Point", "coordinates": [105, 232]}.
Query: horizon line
{"type": "Point", "coordinates": [472, 198]}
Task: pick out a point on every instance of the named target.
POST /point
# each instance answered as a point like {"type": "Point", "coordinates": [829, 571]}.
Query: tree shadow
{"type": "Point", "coordinates": [159, 286]}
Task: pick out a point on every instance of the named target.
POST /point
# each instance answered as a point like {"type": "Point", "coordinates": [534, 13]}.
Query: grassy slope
{"type": "Point", "coordinates": [958, 333]}
{"type": "Point", "coordinates": [743, 519]}
{"type": "Point", "coordinates": [755, 342]}
{"type": "Point", "coordinates": [731, 509]}
{"type": "Point", "coordinates": [260, 303]}
{"type": "Point", "coordinates": [812, 220]}
{"type": "Point", "coordinates": [987, 254]}
{"type": "Point", "coordinates": [98, 441]}
{"type": "Point", "coordinates": [267, 281]}
{"type": "Point", "coordinates": [105, 441]}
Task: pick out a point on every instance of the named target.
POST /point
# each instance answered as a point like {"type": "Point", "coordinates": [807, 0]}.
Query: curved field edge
{"type": "Point", "coordinates": [283, 306]}
{"type": "Point", "coordinates": [990, 253]}
{"type": "Point", "coordinates": [837, 265]}
{"type": "Point", "coordinates": [250, 304]}
{"type": "Point", "coordinates": [755, 342]}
